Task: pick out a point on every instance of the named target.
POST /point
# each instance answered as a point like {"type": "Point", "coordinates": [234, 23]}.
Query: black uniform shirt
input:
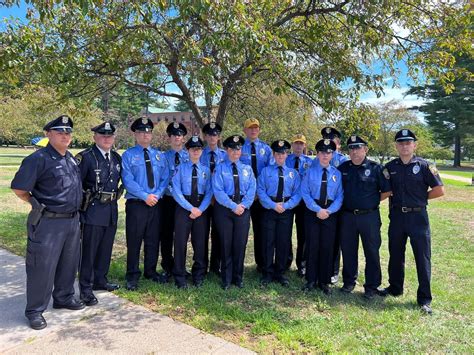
{"type": "Point", "coordinates": [363, 184]}
{"type": "Point", "coordinates": [410, 182]}
{"type": "Point", "coordinates": [52, 179]}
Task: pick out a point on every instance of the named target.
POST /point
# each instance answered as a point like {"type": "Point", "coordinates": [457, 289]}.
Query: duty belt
{"type": "Point", "coordinates": [283, 199]}
{"type": "Point", "coordinates": [359, 211]}
{"type": "Point", "coordinates": [106, 197]}
{"type": "Point", "coordinates": [409, 209]}
{"type": "Point", "coordinates": [49, 214]}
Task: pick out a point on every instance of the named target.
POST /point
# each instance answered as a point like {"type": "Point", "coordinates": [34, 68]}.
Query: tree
{"type": "Point", "coordinates": [208, 49]}
{"type": "Point", "coordinates": [450, 114]}
{"type": "Point", "coordinates": [181, 106]}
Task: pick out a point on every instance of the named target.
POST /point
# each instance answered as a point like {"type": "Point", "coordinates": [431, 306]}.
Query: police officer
{"type": "Point", "coordinates": [100, 171]}
{"type": "Point", "coordinates": [365, 185]}
{"type": "Point", "coordinates": [322, 193]}
{"type": "Point", "coordinates": [300, 162]}
{"type": "Point", "coordinates": [51, 181]}
{"type": "Point", "coordinates": [145, 176]}
{"type": "Point", "coordinates": [192, 191]}
{"type": "Point", "coordinates": [257, 154]}
{"type": "Point", "coordinates": [414, 182]}
{"type": "Point", "coordinates": [278, 191]}
{"type": "Point", "coordinates": [174, 157]}
{"type": "Point", "coordinates": [212, 156]}
{"type": "Point", "coordinates": [234, 188]}
{"type": "Point", "coordinates": [337, 159]}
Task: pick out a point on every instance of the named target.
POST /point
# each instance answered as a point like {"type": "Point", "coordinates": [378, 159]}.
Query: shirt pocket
{"type": "Point", "coordinates": [62, 178]}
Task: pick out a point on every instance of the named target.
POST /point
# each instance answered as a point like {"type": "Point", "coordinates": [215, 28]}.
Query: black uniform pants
{"type": "Point", "coordinates": [300, 234]}
{"type": "Point", "coordinates": [97, 244]}
{"type": "Point", "coordinates": [256, 212]}
{"type": "Point", "coordinates": [277, 229]}
{"type": "Point", "coordinates": [142, 223]}
{"type": "Point", "coordinates": [215, 259]}
{"type": "Point", "coordinates": [233, 232]}
{"type": "Point", "coordinates": [167, 232]}
{"type": "Point", "coordinates": [368, 227]}
{"type": "Point", "coordinates": [320, 236]}
{"type": "Point", "coordinates": [416, 226]}
{"type": "Point", "coordinates": [52, 259]}
{"type": "Point", "coordinates": [337, 247]}
{"type": "Point", "coordinates": [198, 229]}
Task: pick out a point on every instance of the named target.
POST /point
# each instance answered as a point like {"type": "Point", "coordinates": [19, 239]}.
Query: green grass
{"type": "Point", "coordinates": [287, 320]}
{"type": "Point", "coordinates": [464, 173]}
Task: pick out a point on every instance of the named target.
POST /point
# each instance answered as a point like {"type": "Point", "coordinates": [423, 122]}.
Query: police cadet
{"type": "Point", "coordinates": [174, 156]}
{"type": "Point", "coordinates": [337, 159]}
{"type": "Point", "coordinates": [300, 162]}
{"type": "Point", "coordinates": [145, 176]}
{"type": "Point", "coordinates": [212, 156]}
{"type": "Point", "coordinates": [413, 182]}
{"type": "Point", "coordinates": [365, 185]}
{"type": "Point", "coordinates": [192, 191]}
{"type": "Point", "coordinates": [278, 191]}
{"type": "Point", "coordinates": [100, 171]}
{"type": "Point", "coordinates": [234, 188]}
{"type": "Point", "coordinates": [322, 192]}
{"type": "Point", "coordinates": [51, 181]}
{"type": "Point", "coordinates": [257, 154]}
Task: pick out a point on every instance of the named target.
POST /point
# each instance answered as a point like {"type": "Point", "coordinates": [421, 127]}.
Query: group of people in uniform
{"type": "Point", "coordinates": [199, 192]}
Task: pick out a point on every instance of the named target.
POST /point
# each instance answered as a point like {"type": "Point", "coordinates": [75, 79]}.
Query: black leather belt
{"type": "Point", "coordinates": [58, 215]}
{"type": "Point", "coordinates": [200, 197]}
{"type": "Point", "coordinates": [409, 209]}
{"type": "Point", "coordinates": [234, 198]}
{"type": "Point", "coordinates": [323, 205]}
{"type": "Point", "coordinates": [284, 199]}
{"type": "Point", "coordinates": [107, 197]}
{"type": "Point", "coordinates": [135, 200]}
{"type": "Point", "coordinates": [359, 211]}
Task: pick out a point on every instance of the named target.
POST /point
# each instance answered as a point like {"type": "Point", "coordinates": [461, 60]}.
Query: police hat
{"type": "Point", "coordinates": [405, 135]}
{"type": "Point", "coordinates": [194, 142]}
{"type": "Point", "coordinates": [61, 124]}
{"type": "Point", "coordinates": [234, 142]}
{"type": "Point", "coordinates": [325, 145]}
{"type": "Point", "coordinates": [105, 128]}
{"type": "Point", "coordinates": [355, 141]}
{"type": "Point", "coordinates": [142, 124]}
{"type": "Point", "coordinates": [212, 129]}
{"type": "Point", "coordinates": [281, 146]}
{"type": "Point", "coordinates": [176, 129]}
{"type": "Point", "coordinates": [299, 138]}
{"type": "Point", "coordinates": [330, 133]}
{"type": "Point", "coordinates": [251, 122]}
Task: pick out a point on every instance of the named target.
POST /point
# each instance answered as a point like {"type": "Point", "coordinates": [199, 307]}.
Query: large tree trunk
{"type": "Point", "coordinates": [457, 151]}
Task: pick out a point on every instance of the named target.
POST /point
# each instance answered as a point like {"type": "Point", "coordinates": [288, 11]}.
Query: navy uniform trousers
{"type": "Point", "coordinates": [320, 237]}
{"type": "Point", "coordinates": [167, 232]}
{"type": "Point", "coordinates": [277, 231]}
{"type": "Point", "coordinates": [142, 223]}
{"type": "Point", "coordinates": [416, 226]}
{"type": "Point", "coordinates": [256, 211]}
{"type": "Point", "coordinates": [198, 228]}
{"type": "Point", "coordinates": [300, 236]}
{"type": "Point", "coordinates": [214, 262]}
{"type": "Point", "coordinates": [233, 232]}
{"type": "Point", "coordinates": [368, 227]}
{"type": "Point", "coordinates": [52, 258]}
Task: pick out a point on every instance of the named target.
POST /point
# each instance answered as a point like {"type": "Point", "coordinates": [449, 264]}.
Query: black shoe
{"type": "Point", "coordinates": [325, 288]}
{"type": "Point", "coordinates": [369, 294]}
{"type": "Point", "coordinates": [225, 286]}
{"type": "Point", "coordinates": [164, 277]}
{"type": "Point", "coordinates": [74, 305]}
{"type": "Point", "coordinates": [334, 279]}
{"type": "Point", "coordinates": [426, 309]}
{"type": "Point", "coordinates": [301, 272]}
{"type": "Point", "coordinates": [215, 271]}
{"type": "Point", "coordinates": [107, 287]}
{"type": "Point", "coordinates": [198, 283]}
{"type": "Point", "coordinates": [182, 286]}
{"type": "Point", "coordinates": [388, 292]}
{"type": "Point", "coordinates": [161, 279]}
{"type": "Point", "coordinates": [265, 281]}
{"type": "Point", "coordinates": [188, 273]}
{"type": "Point", "coordinates": [132, 286]}
{"type": "Point", "coordinates": [283, 281]}
{"type": "Point", "coordinates": [239, 284]}
{"type": "Point", "coordinates": [309, 286]}
{"type": "Point", "coordinates": [89, 299]}
{"type": "Point", "coordinates": [259, 269]}
{"type": "Point", "coordinates": [37, 321]}
{"type": "Point", "coordinates": [347, 288]}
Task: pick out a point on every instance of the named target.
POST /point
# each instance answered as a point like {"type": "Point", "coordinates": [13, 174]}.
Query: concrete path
{"type": "Point", "coordinates": [455, 177]}
{"type": "Point", "coordinates": [114, 325]}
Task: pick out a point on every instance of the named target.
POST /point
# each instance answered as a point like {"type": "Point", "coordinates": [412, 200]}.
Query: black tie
{"type": "Point", "coordinates": [194, 187]}
{"type": "Point", "coordinates": [107, 158]}
{"type": "Point", "coordinates": [212, 162]}
{"type": "Point", "coordinates": [297, 163]}
{"type": "Point", "coordinates": [253, 154]}
{"type": "Point", "coordinates": [149, 169]}
{"type": "Point", "coordinates": [323, 195]}
{"type": "Point", "coordinates": [281, 182]}
{"type": "Point", "coordinates": [176, 159]}
{"type": "Point", "coordinates": [235, 173]}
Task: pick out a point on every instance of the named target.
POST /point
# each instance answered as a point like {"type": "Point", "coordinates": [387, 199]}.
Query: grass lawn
{"type": "Point", "coordinates": [464, 173]}
{"type": "Point", "coordinates": [277, 319]}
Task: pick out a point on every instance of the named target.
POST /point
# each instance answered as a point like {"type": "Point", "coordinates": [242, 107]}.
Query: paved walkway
{"type": "Point", "coordinates": [455, 177]}
{"type": "Point", "coordinates": [114, 325]}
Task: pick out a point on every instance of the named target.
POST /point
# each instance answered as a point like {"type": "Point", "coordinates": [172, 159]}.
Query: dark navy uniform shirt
{"type": "Point", "coordinates": [410, 182]}
{"type": "Point", "coordinates": [303, 164]}
{"type": "Point", "coordinates": [263, 151]}
{"type": "Point", "coordinates": [53, 179]}
{"type": "Point", "coordinates": [98, 175]}
{"type": "Point", "coordinates": [267, 186]}
{"type": "Point", "coordinates": [363, 184]}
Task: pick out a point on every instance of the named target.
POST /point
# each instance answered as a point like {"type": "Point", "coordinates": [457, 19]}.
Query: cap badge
{"type": "Point", "coordinates": [144, 121]}
{"type": "Point", "coordinates": [327, 141]}
{"type": "Point", "coordinates": [328, 129]}
{"type": "Point", "coordinates": [405, 132]}
{"type": "Point", "coordinates": [353, 138]}
{"type": "Point", "coordinates": [281, 143]}
{"type": "Point", "coordinates": [212, 125]}
{"type": "Point", "coordinates": [65, 119]}
{"type": "Point", "coordinates": [176, 125]}
{"type": "Point", "coordinates": [195, 139]}
{"type": "Point", "coordinates": [107, 126]}
{"type": "Point", "coordinates": [416, 169]}
{"type": "Point", "coordinates": [236, 139]}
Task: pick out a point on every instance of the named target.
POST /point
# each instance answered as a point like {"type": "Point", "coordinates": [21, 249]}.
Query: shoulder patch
{"type": "Point", "coordinates": [78, 158]}
{"type": "Point", "coordinates": [433, 169]}
{"type": "Point", "coordinates": [386, 174]}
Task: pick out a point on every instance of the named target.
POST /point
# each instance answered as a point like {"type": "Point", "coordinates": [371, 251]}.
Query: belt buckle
{"type": "Point", "coordinates": [356, 211]}
{"type": "Point", "coordinates": [405, 209]}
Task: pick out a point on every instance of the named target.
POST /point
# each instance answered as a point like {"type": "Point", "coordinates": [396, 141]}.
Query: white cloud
{"type": "Point", "coordinates": [393, 94]}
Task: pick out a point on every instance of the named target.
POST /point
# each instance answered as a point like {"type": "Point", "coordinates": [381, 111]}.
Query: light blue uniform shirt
{"type": "Point", "coordinates": [337, 159]}
{"type": "Point", "coordinates": [223, 184]}
{"type": "Point", "coordinates": [304, 163]}
{"type": "Point", "coordinates": [134, 173]}
{"type": "Point", "coordinates": [182, 181]}
{"type": "Point", "coordinates": [169, 156]}
{"type": "Point", "coordinates": [311, 187]}
{"type": "Point", "coordinates": [267, 186]}
{"type": "Point", "coordinates": [220, 155]}
{"type": "Point", "coordinates": [263, 151]}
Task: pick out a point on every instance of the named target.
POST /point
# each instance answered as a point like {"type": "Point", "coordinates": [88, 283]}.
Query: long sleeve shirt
{"type": "Point", "coordinates": [267, 187]}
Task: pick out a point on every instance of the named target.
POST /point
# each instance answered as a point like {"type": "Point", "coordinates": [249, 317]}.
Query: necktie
{"type": "Point", "coordinates": [253, 154]}
{"type": "Point", "coordinates": [107, 158]}
{"type": "Point", "coordinates": [194, 187]}
{"type": "Point", "coordinates": [323, 195]}
{"type": "Point", "coordinates": [281, 182]}
{"type": "Point", "coordinates": [176, 159]}
{"type": "Point", "coordinates": [297, 163]}
{"type": "Point", "coordinates": [149, 169]}
{"type": "Point", "coordinates": [235, 174]}
{"type": "Point", "coordinates": [212, 162]}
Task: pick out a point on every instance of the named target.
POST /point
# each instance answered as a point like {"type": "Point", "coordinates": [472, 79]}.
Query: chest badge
{"type": "Point", "coordinates": [245, 172]}
{"type": "Point", "coordinates": [291, 175]}
{"type": "Point", "coordinates": [204, 176]}
{"type": "Point", "coordinates": [262, 151]}
{"type": "Point", "coordinates": [334, 178]}
{"type": "Point", "coordinates": [367, 172]}
{"type": "Point", "coordinates": [117, 167]}
{"type": "Point", "coordinates": [336, 163]}
{"type": "Point", "coordinates": [416, 169]}
{"type": "Point", "coordinates": [158, 157]}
